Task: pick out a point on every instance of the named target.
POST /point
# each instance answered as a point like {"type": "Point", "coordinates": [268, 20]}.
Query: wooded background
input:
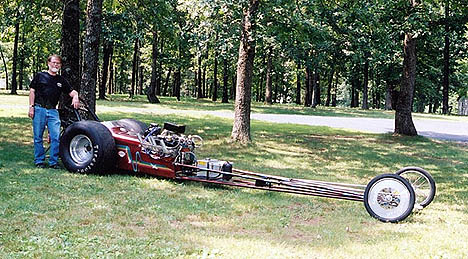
{"type": "Point", "coordinates": [348, 53]}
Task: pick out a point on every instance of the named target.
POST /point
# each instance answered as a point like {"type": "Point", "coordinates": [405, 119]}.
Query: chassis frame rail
{"type": "Point", "coordinates": [246, 179]}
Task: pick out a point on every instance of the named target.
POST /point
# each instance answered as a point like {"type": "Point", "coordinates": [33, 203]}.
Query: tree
{"type": "Point", "coordinates": [268, 89]}
{"type": "Point", "coordinates": [155, 83]}
{"type": "Point", "coordinates": [446, 71]}
{"type": "Point", "coordinates": [70, 44]}
{"type": "Point", "coordinates": [107, 50]}
{"type": "Point", "coordinates": [215, 76]}
{"type": "Point", "coordinates": [134, 67]}
{"type": "Point", "coordinates": [241, 127]}
{"type": "Point", "coordinates": [225, 98]}
{"type": "Point", "coordinates": [4, 65]}
{"type": "Point", "coordinates": [403, 119]}
{"type": "Point", "coordinates": [14, 82]}
{"type": "Point", "coordinates": [90, 52]}
{"type": "Point", "coordinates": [365, 104]}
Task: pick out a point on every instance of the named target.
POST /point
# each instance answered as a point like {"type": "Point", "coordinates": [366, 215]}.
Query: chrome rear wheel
{"type": "Point", "coordinates": [81, 149]}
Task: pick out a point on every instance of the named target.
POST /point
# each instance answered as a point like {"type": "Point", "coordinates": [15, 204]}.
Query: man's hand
{"type": "Point", "coordinates": [76, 102]}
{"type": "Point", "coordinates": [32, 96]}
{"type": "Point", "coordinates": [31, 112]}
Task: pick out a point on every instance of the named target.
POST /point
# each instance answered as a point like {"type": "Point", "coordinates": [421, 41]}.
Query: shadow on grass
{"type": "Point", "coordinates": [293, 150]}
{"type": "Point", "coordinates": [92, 212]}
{"type": "Point", "coordinates": [208, 105]}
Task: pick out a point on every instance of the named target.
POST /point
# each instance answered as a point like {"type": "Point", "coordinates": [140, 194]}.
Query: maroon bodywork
{"type": "Point", "coordinates": [130, 157]}
{"type": "Point", "coordinates": [92, 146]}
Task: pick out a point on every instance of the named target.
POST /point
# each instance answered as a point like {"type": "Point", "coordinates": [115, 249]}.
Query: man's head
{"type": "Point", "coordinates": [55, 63]}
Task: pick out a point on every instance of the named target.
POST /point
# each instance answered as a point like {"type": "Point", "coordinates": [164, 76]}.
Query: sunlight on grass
{"type": "Point", "coordinates": [48, 213]}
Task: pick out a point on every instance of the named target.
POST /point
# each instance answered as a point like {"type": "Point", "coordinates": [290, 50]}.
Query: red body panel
{"type": "Point", "coordinates": [131, 158]}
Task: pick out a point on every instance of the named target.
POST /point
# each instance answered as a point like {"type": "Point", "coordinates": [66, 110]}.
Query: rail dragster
{"type": "Point", "coordinates": [92, 146]}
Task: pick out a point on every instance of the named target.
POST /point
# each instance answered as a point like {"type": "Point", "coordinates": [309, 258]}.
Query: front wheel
{"type": "Point", "coordinates": [422, 182]}
{"type": "Point", "coordinates": [389, 198]}
{"type": "Point", "coordinates": [87, 147]}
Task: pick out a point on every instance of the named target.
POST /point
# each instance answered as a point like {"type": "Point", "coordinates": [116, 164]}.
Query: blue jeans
{"type": "Point", "coordinates": [43, 117]}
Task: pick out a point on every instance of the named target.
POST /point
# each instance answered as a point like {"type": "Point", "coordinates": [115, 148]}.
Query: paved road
{"type": "Point", "coordinates": [432, 128]}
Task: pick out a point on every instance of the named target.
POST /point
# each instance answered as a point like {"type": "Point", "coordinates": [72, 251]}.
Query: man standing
{"type": "Point", "coordinates": [44, 94]}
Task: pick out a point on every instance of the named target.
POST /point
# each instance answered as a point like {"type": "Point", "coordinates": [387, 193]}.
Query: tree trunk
{"type": "Point", "coordinates": [151, 94]}
{"type": "Point", "coordinates": [260, 96]}
{"type": "Point", "coordinates": [335, 87]}
{"type": "Point", "coordinates": [204, 94]}
{"type": "Point", "coordinates": [241, 126]}
{"type": "Point", "coordinates": [120, 74]}
{"type": "Point", "coordinates": [111, 88]}
{"type": "Point", "coordinates": [446, 72]}
{"type": "Point", "coordinates": [330, 85]}
{"type": "Point", "coordinates": [316, 89]}
{"type": "Point", "coordinates": [215, 77]}
{"type": "Point", "coordinates": [199, 82]}
{"type": "Point", "coordinates": [275, 92]}
{"type": "Point", "coordinates": [159, 71]}
{"type": "Point", "coordinates": [107, 50]}
{"type": "Point", "coordinates": [91, 51]}
{"type": "Point", "coordinates": [14, 82]}
{"type": "Point", "coordinates": [4, 66]}
{"type": "Point", "coordinates": [308, 92]}
{"type": "Point", "coordinates": [134, 68]}
{"type": "Point", "coordinates": [225, 81]}
{"type": "Point", "coordinates": [354, 86]}
{"type": "Point", "coordinates": [365, 91]}
{"type": "Point", "coordinates": [356, 97]}
{"type": "Point", "coordinates": [388, 97]}
{"type": "Point", "coordinates": [177, 83]}
{"type": "Point", "coordinates": [233, 84]}
{"type": "Point", "coordinates": [284, 88]}
{"type": "Point", "coordinates": [70, 43]}
{"type": "Point", "coordinates": [268, 90]}
{"type": "Point", "coordinates": [403, 120]}
{"type": "Point", "coordinates": [377, 100]}
{"type": "Point", "coordinates": [21, 64]}
{"type": "Point", "coordinates": [298, 84]}
{"type": "Point", "coordinates": [140, 82]}
{"type": "Point", "coordinates": [166, 83]}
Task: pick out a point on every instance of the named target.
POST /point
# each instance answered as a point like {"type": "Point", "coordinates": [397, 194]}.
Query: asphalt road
{"type": "Point", "coordinates": [437, 129]}
{"type": "Point", "coordinates": [432, 128]}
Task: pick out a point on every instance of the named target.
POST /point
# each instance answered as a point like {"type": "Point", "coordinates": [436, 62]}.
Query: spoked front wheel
{"type": "Point", "coordinates": [422, 183]}
{"type": "Point", "coordinates": [389, 198]}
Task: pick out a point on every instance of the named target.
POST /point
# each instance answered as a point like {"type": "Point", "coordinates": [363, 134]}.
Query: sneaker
{"type": "Point", "coordinates": [55, 166]}
{"type": "Point", "coordinates": [40, 165]}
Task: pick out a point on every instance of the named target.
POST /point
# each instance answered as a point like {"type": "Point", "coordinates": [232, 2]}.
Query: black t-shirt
{"type": "Point", "coordinates": [48, 89]}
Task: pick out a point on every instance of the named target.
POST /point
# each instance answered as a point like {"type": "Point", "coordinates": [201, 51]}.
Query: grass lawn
{"type": "Point", "coordinates": [56, 214]}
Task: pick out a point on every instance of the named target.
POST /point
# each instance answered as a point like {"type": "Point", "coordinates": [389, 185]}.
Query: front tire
{"type": "Point", "coordinates": [87, 147]}
{"type": "Point", "coordinates": [389, 198]}
{"type": "Point", "coordinates": [422, 182]}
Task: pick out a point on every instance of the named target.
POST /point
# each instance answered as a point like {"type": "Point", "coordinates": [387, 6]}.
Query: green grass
{"type": "Point", "coordinates": [56, 214]}
{"type": "Point", "coordinates": [208, 105]}
{"type": "Point", "coordinates": [200, 105]}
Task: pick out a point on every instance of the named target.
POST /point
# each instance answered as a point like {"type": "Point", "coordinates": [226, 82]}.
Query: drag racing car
{"type": "Point", "coordinates": [92, 146]}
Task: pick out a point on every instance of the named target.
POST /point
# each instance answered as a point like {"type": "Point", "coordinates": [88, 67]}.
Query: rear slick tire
{"type": "Point", "coordinates": [389, 198]}
{"type": "Point", "coordinates": [87, 147]}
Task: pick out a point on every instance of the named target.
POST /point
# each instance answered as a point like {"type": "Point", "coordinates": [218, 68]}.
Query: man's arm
{"type": "Point", "coordinates": [32, 97]}
{"type": "Point", "coordinates": [75, 99]}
